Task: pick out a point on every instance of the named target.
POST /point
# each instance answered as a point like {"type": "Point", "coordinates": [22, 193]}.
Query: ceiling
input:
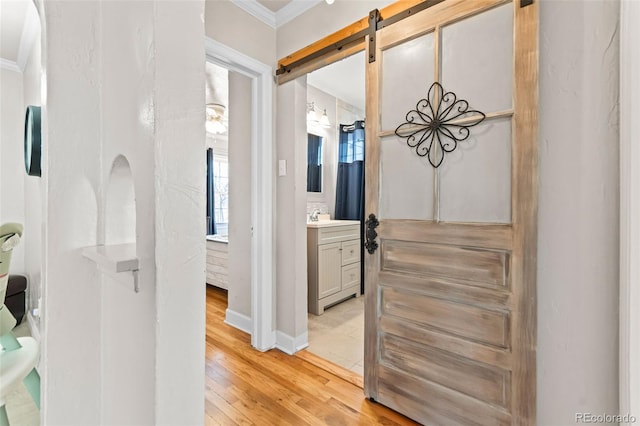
{"type": "Point", "coordinates": [343, 79]}
{"type": "Point", "coordinates": [274, 5]}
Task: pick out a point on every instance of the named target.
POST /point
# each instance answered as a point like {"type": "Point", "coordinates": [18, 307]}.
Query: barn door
{"type": "Point", "coordinates": [452, 182]}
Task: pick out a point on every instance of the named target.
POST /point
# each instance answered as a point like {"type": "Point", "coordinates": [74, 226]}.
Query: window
{"type": "Point", "coordinates": [351, 145]}
{"type": "Point", "coordinates": [221, 193]}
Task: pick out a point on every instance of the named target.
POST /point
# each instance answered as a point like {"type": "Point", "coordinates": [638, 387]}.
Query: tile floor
{"type": "Point", "coordinates": [338, 334]}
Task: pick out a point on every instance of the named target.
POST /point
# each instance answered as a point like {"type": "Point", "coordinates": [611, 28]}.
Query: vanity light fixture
{"type": "Point", "coordinates": [324, 120]}
{"type": "Point", "coordinates": [312, 116]}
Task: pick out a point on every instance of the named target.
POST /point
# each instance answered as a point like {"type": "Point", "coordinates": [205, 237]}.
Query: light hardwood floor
{"type": "Point", "coordinates": [244, 386]}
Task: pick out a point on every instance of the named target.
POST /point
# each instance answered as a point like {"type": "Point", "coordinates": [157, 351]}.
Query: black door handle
{"type": "Point", "coordinates": [372, 223]}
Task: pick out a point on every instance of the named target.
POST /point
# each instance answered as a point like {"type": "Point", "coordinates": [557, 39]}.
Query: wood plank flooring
{"type": "Point", "coordinates": [247, 387]}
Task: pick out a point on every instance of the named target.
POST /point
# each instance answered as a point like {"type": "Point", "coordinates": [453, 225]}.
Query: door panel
{"type": "Point", "coordinates": [450, 292]}
{"type": "Point", "coordinates": [477, 58]}
{"type": "Point", "coordinates": [405, 198]}
{"type": "Point", "coordinates": [475, 179]}
{"type": "Point", "coordinates": [329, 269]}
{"type": "Point", "coordinates": [411, 66]}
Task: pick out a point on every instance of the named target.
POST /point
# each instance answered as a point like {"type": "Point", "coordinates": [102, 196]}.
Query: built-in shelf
{"type": "Point", "coordinates": [115, 260]}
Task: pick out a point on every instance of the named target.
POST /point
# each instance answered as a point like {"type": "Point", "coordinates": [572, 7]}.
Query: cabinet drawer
{"type": "Point", "coordinates": [350, 252]}
{"type": "Point", "coordinates": [351, 275]}
{"type": "Point", "coordinates": [334, 234]}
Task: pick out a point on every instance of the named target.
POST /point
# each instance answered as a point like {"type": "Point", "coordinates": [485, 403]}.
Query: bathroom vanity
{"type": "Point", "coordinates": [218, 261]}
{"type": "Point", "coordinates": [333, 262]}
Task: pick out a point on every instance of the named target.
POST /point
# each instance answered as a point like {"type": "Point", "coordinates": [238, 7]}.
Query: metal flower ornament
{"type": "Point", "coordinates": [441, 119]}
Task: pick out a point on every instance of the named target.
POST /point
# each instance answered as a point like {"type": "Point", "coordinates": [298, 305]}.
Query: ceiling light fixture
{"type": "Point", "coordinates": [215, 119]}
{"type": "Point", "coordinates": [329, 1]}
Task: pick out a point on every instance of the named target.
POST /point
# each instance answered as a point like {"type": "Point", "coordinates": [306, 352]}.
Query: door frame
{"type": "Point", "coordinates": [629, 374]}
{"type": "Point", "coordinates": [262, 254]}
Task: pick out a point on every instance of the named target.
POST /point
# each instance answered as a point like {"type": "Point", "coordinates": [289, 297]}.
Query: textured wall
{"type": "Point", "coordinates": [578, 210]}
{"type": "Point", "coordinates": [124, 79]}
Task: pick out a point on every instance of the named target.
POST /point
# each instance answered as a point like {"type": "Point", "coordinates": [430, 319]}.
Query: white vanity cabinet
{"type": "Point", "coordinates": [333, 263]}
{"type": "Point", "coordinates": [217, 262]}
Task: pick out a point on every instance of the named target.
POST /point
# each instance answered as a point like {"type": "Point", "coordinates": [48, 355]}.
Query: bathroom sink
{"type": "Point", "coordinates": [328, 223]}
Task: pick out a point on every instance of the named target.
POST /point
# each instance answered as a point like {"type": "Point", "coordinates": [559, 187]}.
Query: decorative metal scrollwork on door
{"type": "Point", "coordinates": [442, 117]}
{"type": "Point", "coordinates": [370, 236]}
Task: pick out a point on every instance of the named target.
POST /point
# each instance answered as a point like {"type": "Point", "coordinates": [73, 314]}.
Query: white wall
{"type": "Point", "coordinates": [629, 209]}
{"type": "Point", "coordinates": [291, 259]}
{"type": "Point", "coordinates": [12, 158]}
{"type": "Point", "coordinates": [33, 193]}
{"type": "Point", "coordinates": [239, 194]}
{"type": "Point", "coordinates": [124, 78]}
{"type": "Point", "coordinates": [578, 210]}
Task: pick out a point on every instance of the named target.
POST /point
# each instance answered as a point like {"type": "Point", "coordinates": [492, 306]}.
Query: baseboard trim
{"type": "Point", "coordinates": [238, 320]}
{"type": "Point", "coordinates": [290, 345]}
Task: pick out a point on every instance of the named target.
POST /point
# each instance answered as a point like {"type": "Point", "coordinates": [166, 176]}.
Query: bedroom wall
{"type": "Point", "coordinates": [239, 194]}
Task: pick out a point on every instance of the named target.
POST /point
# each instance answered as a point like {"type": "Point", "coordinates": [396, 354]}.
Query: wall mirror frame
{"type": "Point", "coordinates": [315, 154]}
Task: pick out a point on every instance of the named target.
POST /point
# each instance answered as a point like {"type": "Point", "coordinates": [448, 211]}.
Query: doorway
{"type": "Point", "coordinates": [450, 270]}
{"type": "Point", "coordinates": [262, 257]}
{"type": "Point", "coordinates": [335, 120]}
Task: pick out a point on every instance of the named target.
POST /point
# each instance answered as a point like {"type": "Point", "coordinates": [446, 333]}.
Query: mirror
{"type": "Point", "coordinates": [314, 163]}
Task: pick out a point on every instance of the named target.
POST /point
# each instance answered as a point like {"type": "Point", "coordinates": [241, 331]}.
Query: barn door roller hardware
{"type": "Point", "coordinates": [376, 21]}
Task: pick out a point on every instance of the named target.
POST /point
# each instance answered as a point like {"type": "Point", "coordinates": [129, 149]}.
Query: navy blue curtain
{"type": "Point", "coordinates": [350, 182]}
{"type": "Point", "coordinates": [314, 163]}
{"type": "Point", "coordinates": [211, 210]}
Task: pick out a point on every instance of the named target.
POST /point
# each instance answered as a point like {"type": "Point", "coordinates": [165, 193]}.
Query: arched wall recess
{"type": "Point", "coordinates": [118, 256]}
{"type": "Point", "coordinates": [120, 204]}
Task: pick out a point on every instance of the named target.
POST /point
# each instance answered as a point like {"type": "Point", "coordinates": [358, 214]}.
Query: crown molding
{"type": "Point", "coordinates": [9, 65]}
{"type": "Point", "coordinates": [293, 10]}
{"type": "Point", "coordinates": [279, 18]}
{"type": "Point", "coordinates": [257, 10]}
